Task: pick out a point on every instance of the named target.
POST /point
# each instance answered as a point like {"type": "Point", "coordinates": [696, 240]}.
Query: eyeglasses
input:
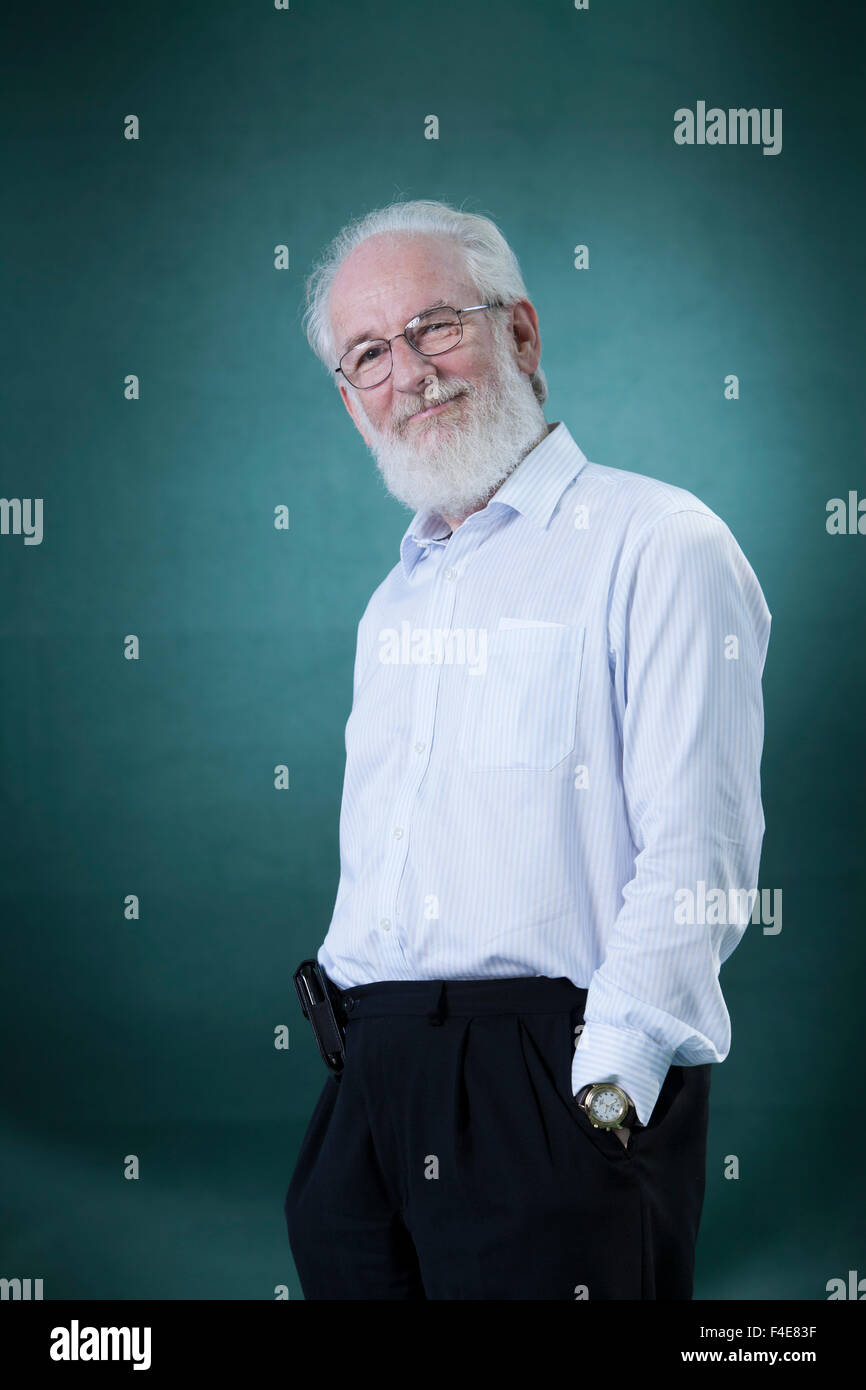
{"type": "Point", "coordinates": [431, 333]}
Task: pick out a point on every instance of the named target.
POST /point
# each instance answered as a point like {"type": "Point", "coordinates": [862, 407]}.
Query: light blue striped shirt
{"type": "Point", "coordinates": [555, 737]}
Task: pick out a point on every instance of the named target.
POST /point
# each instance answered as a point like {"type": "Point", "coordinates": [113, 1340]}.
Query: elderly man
{"type": "Point", "coordinates": [553, 750]}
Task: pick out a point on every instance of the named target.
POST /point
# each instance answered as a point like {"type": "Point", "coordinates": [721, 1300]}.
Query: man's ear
{"type": "Point", "coordinates": [527, 339]}
{"type": "Point", "coordinates": [355, 412]}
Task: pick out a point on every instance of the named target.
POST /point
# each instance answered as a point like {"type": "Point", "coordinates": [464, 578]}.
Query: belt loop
{"type": "Point", "coordinates": [437, 1014]}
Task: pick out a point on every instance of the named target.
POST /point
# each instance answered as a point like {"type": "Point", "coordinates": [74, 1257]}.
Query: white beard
{"type": "Point", "coordinates": [454, 461]}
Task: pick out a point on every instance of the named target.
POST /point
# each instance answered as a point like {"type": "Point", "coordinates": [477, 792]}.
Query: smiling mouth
{"type": "Point", "coordinates": [435, 409]}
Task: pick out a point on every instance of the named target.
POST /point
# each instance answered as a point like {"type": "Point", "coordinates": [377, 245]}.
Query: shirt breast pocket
{"type": "Point", "coordinates": [520, 709]}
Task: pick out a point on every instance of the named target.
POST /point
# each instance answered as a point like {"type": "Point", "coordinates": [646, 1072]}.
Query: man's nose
{"type": "Point", "coordinates": [410, 369]}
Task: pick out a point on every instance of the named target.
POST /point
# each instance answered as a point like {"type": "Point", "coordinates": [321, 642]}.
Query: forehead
{"type": "Point", "coordinates": [391, 277]}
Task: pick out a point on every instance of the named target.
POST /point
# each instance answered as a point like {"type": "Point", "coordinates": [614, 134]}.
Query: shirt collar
{"type": "Point", "coordinates": [533, 488]}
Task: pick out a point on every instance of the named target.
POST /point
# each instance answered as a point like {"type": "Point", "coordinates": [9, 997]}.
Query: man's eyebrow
{"type": "Point", "coordinates": [370, 333]}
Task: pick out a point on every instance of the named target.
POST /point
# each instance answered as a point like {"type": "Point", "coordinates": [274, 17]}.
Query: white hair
{"type": "Point", "coordinates": [490, 264]}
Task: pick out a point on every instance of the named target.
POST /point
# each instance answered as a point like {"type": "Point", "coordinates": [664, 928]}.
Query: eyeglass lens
{"type": "Point", "coordinates": [370, 362]}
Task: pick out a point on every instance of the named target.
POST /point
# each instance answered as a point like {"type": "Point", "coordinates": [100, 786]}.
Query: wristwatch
{"type": "Point", "coordinates": [607, 1106]}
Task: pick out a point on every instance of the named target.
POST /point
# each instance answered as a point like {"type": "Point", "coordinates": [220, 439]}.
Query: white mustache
{"type": "Point", "coordinates": [433, 395]}
{"type": "Point", "coordinates": [432, 390]}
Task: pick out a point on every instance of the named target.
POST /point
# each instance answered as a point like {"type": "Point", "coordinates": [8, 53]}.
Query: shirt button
{"type": "Point", "coordinates": [397, 832]}
{"type": "Point", "coordinates": [450, 573]}
{"type": "Point", "coordinates": [419, 747]}
{"type": "Point", "coordinates": [385, 924]}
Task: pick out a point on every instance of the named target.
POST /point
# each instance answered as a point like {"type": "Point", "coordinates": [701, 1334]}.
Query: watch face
{"type": "Point", "coordinates": [607, 1106]}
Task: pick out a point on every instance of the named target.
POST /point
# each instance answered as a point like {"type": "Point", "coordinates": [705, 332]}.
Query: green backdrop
{"type": "Point", "coordinates": [260, 127]}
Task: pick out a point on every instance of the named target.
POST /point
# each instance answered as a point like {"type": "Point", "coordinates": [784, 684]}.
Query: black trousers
{"type": "Point", "coordinates": [449, 1159]}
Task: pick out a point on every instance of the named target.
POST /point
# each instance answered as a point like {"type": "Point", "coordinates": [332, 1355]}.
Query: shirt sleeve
{"type": "Point", "coordinates": [689, 630]}
{"type": "Point", "coordinates": [364, 643]}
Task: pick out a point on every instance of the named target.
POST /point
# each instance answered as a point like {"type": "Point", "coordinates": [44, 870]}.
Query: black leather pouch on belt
{"type": "Point", "coordinates": [320, 1003]}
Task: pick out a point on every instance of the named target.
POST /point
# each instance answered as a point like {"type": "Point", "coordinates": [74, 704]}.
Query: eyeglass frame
{"type": "Point", "coordinates": [494, 304]}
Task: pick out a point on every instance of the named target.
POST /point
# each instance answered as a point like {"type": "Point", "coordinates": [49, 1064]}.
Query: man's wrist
{"type": "Point", "coordinates": [599, 1100]}
{"type": "Point", "coordinates": [635, 1060]}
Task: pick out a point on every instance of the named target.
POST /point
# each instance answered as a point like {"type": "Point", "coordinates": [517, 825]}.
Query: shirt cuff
{"type": "Point", "coordinates": [634, 1061]}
